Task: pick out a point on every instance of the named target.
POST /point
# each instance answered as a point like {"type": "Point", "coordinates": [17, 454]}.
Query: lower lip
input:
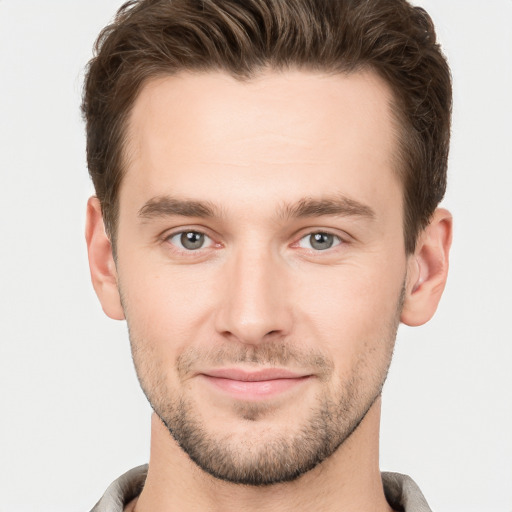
{"type": "Point", "coordinates": [254, 390]}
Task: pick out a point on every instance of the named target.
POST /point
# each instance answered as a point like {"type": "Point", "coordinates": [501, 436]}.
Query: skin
{"type": "Point", "coordinates": [259, 167]}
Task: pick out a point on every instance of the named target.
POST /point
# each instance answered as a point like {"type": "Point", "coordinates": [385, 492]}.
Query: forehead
{"type": "Point", "coordinates": [279, 134]}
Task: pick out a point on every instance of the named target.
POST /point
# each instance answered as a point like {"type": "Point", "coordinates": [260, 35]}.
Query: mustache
{"type": "Point", "coordinates": [266, 355]}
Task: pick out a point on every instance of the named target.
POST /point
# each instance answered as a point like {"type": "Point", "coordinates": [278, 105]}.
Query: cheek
{"type": "Point", "coordinates": [351, 308]}
{"type": "Point", "coordinates": [166, 309]}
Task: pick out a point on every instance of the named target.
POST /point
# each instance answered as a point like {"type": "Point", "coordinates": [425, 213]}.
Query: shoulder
{"type": "Point", "coordinates": [123, 490]}
{"type": "Point", "coordinates": [403, 494]}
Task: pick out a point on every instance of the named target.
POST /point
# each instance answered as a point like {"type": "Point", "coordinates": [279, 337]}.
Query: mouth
{"type": "Point", "coordinates": [253, 385]}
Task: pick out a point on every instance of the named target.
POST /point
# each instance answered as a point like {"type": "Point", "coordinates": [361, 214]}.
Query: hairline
{"type": "Point", "coordinates": [398, 120]}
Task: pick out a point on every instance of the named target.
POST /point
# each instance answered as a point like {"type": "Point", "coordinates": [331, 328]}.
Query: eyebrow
{"type": "Point", "coordinates": [167, 206]}
{"type": "Point", "coordinates": [341, 206]}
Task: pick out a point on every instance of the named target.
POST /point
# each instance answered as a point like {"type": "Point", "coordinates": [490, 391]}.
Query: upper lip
{"type": "Point", "coordinates": [253, 375]}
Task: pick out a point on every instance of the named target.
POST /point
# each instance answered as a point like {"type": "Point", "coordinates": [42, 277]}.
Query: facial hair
{"type": "Point", "coordinates": [280, 456]}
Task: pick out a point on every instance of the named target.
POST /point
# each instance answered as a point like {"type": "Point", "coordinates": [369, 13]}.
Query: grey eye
{"type": "Point", "coordinates": [189, 240]}
{"type": "Point", "coordinates": [319, 241]}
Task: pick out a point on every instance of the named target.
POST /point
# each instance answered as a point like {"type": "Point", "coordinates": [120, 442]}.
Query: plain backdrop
{"type": "Point", "coordinates": [72, 417]}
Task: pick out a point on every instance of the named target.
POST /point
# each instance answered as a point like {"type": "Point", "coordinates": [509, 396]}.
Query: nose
{"type": "Point", "coordinates": [256, 305]}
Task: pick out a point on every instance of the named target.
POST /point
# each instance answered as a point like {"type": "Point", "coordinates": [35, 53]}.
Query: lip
{"type": "Point", "coordinates": [253, 376]}
{"type": "Point", "coordinates": [253, 385]}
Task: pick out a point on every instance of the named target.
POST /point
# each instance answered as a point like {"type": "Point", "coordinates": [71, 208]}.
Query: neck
{"type": "Point", "coordinates": [348, 480]}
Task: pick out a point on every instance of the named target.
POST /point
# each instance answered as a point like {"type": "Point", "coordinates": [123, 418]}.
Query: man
{"type": "Point", "coordinates": [267, 177]}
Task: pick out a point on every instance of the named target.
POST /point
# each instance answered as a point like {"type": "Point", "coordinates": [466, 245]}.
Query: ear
{"type": "Point", "coordinates": [101, 262]}
{"type": "Point", "coordinates": [428, 270]}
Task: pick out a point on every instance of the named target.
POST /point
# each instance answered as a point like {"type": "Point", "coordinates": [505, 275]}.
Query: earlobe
{"type": "Point", "coordinates": [428, 270]}
{"type": "Point", "coordinates": [101, 262]}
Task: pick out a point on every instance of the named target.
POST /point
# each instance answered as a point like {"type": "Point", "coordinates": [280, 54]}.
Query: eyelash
{"type": "Point", "coordinates": [186, 232]}
{"type": "Point", "coordinates": [337, 241]}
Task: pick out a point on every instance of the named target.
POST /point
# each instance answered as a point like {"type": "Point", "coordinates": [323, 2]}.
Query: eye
{"type": "Point", "coordinates": [190, 240]}
{"type": "Point", "coordinates": [319, 241]}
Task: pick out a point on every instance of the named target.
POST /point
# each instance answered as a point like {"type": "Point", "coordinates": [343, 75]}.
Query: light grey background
{"type": "Point", "coordinates": [72, 417]}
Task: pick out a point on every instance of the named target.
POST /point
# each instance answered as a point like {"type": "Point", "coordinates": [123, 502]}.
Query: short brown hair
{"type": "Point", "coordinates": [152, 38]}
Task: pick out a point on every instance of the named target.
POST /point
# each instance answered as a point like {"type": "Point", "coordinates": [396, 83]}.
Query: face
{"type": "Point", "coordinates": [261, 263]}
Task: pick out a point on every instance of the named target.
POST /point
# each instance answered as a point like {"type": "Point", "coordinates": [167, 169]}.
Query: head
{"type": "Point", "coordinates": [151, 39]}
{"type": "Point", "coordinates": [268, 174]}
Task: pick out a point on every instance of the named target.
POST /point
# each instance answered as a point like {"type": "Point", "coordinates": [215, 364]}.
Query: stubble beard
{"type": "Point", "coordinates": [284, 456]}
{"type": "Point", "coordinates": [263, 461]}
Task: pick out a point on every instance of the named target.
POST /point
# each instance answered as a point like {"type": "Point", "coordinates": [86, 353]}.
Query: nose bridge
{"type": "Point", "coordinates": [255, 304]}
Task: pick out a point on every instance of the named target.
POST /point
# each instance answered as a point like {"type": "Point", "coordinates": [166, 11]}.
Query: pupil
{"type": "Point", "coordinates": [192, 240]}
{"type": "Point", "coordinates": [321, 241]}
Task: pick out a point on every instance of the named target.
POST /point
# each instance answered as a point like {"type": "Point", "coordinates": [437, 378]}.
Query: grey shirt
{"type": "Point", "coordinates": [401, 492]}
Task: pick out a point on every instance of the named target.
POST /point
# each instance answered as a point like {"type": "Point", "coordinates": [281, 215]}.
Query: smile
{"type": "Point", "coordinates": [255, 385]}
